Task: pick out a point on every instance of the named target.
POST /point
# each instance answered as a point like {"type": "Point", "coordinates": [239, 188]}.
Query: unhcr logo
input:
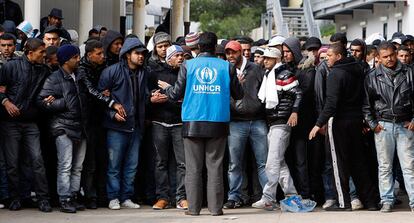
{"type": "Point", "coordinates": [206, 77]}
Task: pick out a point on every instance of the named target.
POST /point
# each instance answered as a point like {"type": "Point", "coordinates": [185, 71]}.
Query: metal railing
{"type": "Point", "coordinates": [313, 27]}
{"type": "Point", "coordinates": [281, 28]}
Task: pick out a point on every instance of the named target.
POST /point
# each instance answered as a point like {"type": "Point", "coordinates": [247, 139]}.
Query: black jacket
{"type": "Point", "coordinates": [10, 11]}
{"type": "Point", "coordinates": [289, 100]}
{"type": "Point", "coordinates": [118, 80]}
{"type": "Point", "coordinates": [322, 71]}
{"type": "Point", "coordinates": [170, 111]}
{"type": "Point", "coordinates": [204, 129]}
{"type": "Point", "coordinates": [69, 109]}
{"type": "Point", "coordinates": [388, 100]}
{"type": "Point", "coordinates": [344, 92]}
{"type": "Point", "coordinates": [23, 81]}
{"type": "Point", "coordinates": [249, 107]}
{"type": "Point", "coordinates": [107, 40]}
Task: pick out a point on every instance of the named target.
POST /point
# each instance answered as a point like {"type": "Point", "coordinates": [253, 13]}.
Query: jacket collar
{"type": "Point", "coordinates": [206, 54]}
{"type": "Point", "coordinates": [399, 79]}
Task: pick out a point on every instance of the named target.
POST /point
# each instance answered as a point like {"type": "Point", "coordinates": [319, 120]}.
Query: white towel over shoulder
{"type": "Point", "coordinates": [268, 91]}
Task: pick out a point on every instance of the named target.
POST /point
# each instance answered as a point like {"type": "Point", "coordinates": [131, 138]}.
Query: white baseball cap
{"type": "Point", "coordinates": [276, 40]}
{"type": "Point", "coordinates": [272, 53]}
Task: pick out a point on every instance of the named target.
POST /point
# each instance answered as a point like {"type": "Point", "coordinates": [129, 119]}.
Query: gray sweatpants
{"type": "Point", "coordinates": [277, 170]}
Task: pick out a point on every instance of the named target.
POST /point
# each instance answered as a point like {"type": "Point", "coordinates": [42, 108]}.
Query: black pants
{"type": "Point", "coordinates": [23, 139]}
{"type": "Point", "coordinates": [95, 164]}
{"type": "Point", "coordinates": [200, 152]}
{"type": "Point", "coordinates": [167, 141]}
{"type": "Point", "coordinates": [349, 160]}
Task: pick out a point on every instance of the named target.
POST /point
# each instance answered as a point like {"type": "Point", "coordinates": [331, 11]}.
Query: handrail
{"type": "Point", "coordinates": [281, 28]}
{"type": "Point", "coordinates": [313, 27]}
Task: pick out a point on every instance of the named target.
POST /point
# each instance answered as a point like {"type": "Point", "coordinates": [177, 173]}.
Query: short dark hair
{"type": "Point", "coordinates": [91, 45]}
{"type": "Point", "coordinates": [338, 49]}
{"type": "Point", "coordinates": [371, 49]}
{"type": "Point", "coordinates": [207, 42]}
{"type": "Point", "coordinates": [32, 44]}
{"type": "Point", "coordinates": [1, 28]}
{"type": "Point", "coordinates": [8, 36]}
{"type": "Point", "coordinates": [93, 31]}
{"type": "Point", "coordinates": [51, 50]}
{"type": "Point", "coordinates": [339, 37]}
{"type": "Point", "coordinates": [404, 48]}
{"type": "Point", "coordinates": [385, 45]}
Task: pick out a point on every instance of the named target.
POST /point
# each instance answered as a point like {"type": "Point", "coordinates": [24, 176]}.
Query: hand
{"type": "Point", "coordinates": [11, 109]}
{"type": "Point", "coordinates": [313, 132]}
{"type": "Point", "coordinates": [163, 85]}
{"type": "Point", "coordinates": [378, 128]}
{"type": "Point", "coordinates": [365, 130]}
{"type": "Point", "coordinates": [119, 118]}
{"type": "Point", "coordinates": [157, 97]}
{"type": "Point", "coordinates": [106, 93]}
{"type": "Point", "coordinates": [49, 100]}
{"type": "Point", "coordinates": [119, 109]}
{"type": "Point", "coordinates": [322, 130]}
{"type": "Point", "coordinates": [241, 78]}
{"type": "Point", "coordinates": [3, 89]}
{"type": "Point", "coordinates": [409, 126]}
{"type": "Point", "coordinates": [293, 119]}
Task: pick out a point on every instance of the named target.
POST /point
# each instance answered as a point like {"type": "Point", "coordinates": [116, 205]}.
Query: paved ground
{"type": "Point", "coordinates": [244, 215]}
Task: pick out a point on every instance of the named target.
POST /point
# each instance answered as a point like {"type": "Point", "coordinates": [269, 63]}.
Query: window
{"type": "Point", "coordinates": [157, 20]}
{"type": "Point", "coordinates": [364, 32]}
{"type": "Point", "coordinates": [385, 30]}
{"type": "Point", "coordinates": [399, 25]}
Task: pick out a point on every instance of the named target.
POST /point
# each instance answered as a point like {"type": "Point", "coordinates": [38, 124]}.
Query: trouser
{"type": "Point", "coordinates": [4, 192]}
{"type": "Point", "coordinates": [208, 151]}
{"type": "Point", "coordinates": [94, 167]}
{"type": "Point", "coordinates": [163, 139]}
{"type": "Point", "coordinates": [395, 137]}
{"type": "Point", "coordinates": [240, 132]}
{"type": "Point", "coordinates": [70, 154]}
{"type": "Point", "coordinates": [123, 152]}
{"type": "Point", "coordinates": [23, 139]}
{"type": "Point", "coordinates": [348, 160]}
{"type": "Point", "coordinates": [277, 170]}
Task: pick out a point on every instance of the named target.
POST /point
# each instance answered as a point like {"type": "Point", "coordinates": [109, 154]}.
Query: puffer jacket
{"type": "Point", "coordinates": [69, 109]}
{"type": "Point", "coordinates": [250, 107]}
{"type": "Point", "coordinates": [23, 81]}
{"type": "Point", "coordinates": [385, 100]}
{"type": "Point", "coordinates": [117, 79]}
{"type": "Point", "coordinates": [289, 94]}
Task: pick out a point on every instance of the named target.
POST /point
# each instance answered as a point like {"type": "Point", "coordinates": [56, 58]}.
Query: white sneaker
{"type": "Point", "coordinates": [261, 204]}
{"type": "Point", "coordinates": [357, 204]}
{"type": "Point", "coordinates": [328, 203]}
{"type": "Point", "coordinates": [129, 204]}
{"type": "Point", "coordinates": [1, 206]}
{"type": "Point", "coordinates": [114, 204]}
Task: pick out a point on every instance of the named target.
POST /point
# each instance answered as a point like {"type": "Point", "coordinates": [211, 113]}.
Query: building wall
{"type": "Point", "coordinates": [372, 20]}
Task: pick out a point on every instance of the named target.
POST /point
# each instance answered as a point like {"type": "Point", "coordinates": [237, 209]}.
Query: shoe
{"type": "Point", "coordinates": [328, 203]}
{"type": "Point", "coordinates": [191, 213]}
{"type": "Point", "coordinates": [66, 206]}
{"type": "Point", "coordinates": [335, 207]}
{"type": "Point", "coordinates": [91, 203]}
{"type": "Point", "coordinates": [44, 206]}
{"type": "Point", "coordinates": [161, 204]}
{"type": "Point", "coordinates": [1, 206]}
{"type": "Point", "coordinates": [114, 204]}
{"type": "Point", "coordinates": [412, 210]}
{"type": "Point", "coordinates": [129, 204]}
{"type": "Point", "coordinates": [182, 205]}
{"type": "Point", "coordinates": [219, 213]}
{"type": "Point", "coordinates": [231, 204]}
{"type": "Point", "coordinates": [15, 205]}
{"type": "Point", "coordinates": [356, 204]}
{"type": "Point", "coordinates": [79, 206]}
{"type": "Point", "coordinates": [261, 204]}
{"type": "Point", "coordinates": [397, 201]}
{"type": "Point", "coordinates": [386, 208]}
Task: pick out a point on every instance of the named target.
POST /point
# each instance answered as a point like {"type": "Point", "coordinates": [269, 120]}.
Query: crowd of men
{"type": "Point", "coordinates": [116, 122]}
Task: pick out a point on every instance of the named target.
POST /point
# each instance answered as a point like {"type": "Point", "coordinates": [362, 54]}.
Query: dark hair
{"type": "Point", "coordinates": [403, 48]}
{"type": "Point", "coordinates": [385, 45]}
{"type": "Point", "coordinates": [8, 36]}
{"type": "Point", "coordinates": [207, 42]}
{"type": "Point", "coordinates": [93, 31]}
{"type": "Point", "coordinates": [338, 49]}
{"type": "Point", "coordinates": [91, 45]}
{"type": "Point", "coordinates": [1, 28]}
{"type": "Point", "coordinates": [51, 50]}
{"type": "Point", "coordinates": [32, 44]}
{"type": "Point", "coordinates": [357, 42]}
{"type": "Point", "coordinates": [371, 48]}
{"type": "Point", "coordinates": [341, 37]}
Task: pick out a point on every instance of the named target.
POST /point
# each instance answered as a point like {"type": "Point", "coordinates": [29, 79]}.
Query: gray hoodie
{"type": "Point", "coordinates": [293, 44]}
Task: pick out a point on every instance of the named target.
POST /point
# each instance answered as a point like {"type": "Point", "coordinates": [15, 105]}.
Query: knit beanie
{"type": "Point", "coordinates": [191, 39]}
{"type": "Point", "coordinates": [172, 50]}
{"type": "Point", "coordinates": [66, 52]}
{"type": "Point", "coordinates": [161, 37]}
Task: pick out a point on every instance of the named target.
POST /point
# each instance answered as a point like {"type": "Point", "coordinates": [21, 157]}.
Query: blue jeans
{"type": "Point", "coordinates": [240, 132]}
{"type": "Point", "coordinates": [395, 137]}
{"type": "Point", "coordinates": [70, 154]}
{"type": "Point", "coordinates": [123, 151]}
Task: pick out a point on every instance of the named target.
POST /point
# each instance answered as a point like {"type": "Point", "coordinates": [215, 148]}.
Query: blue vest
{"type": "Point", "coordinates": [207, 91]}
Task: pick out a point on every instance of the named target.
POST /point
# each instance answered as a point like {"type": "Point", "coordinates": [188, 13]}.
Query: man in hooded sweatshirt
{"type": "Point", "coordinates": [297, 153]}
{"type": "Point", "coordinates": [127, 82]}
{"type": "Point", "coordinates": [343, 115]}
{"type": "Point", "coordinates": [112, 43]}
